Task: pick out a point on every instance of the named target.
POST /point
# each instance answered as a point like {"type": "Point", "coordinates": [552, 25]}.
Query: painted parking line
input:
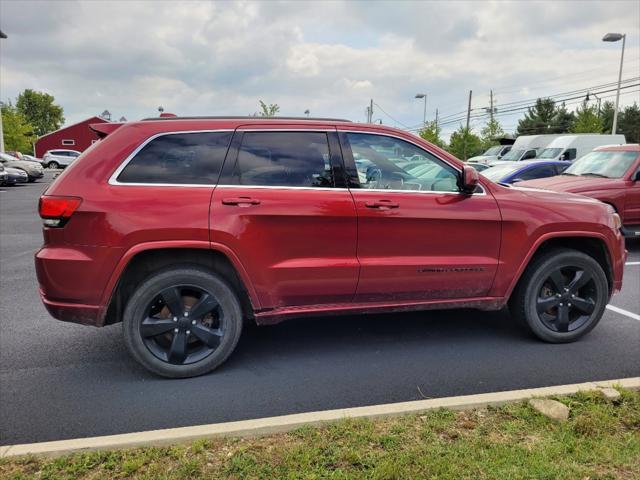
{"type": "Point", "coordinates": [622, 311]}
{"type": "Point", "coordinates": [632, 263]}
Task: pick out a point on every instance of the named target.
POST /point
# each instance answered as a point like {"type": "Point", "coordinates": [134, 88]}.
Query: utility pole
{"type": "Point", "coordinates": [469, 109]}
{"type": "Point", "coordinates": [466, 133]}
{"type": "Point", "coordinates": [491, 106]}
{"type": "Point", "coordinates": [436, 120]}
{"type": "Point", "coordinates": [370, 119]}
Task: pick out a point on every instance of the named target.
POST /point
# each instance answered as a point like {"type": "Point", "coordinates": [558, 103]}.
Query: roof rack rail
{"type": "Point", "coordinates": [246, 118]}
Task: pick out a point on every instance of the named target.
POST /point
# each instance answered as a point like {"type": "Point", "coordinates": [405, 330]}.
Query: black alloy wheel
{"type": "Point", "coordinates": [567, 299]}
{"type": "Point", "coordinates": [182, 321]}
{"type": "Point", "coordinates": [183, 325]}
{"type": "Point", "coordinates": [561, 296]}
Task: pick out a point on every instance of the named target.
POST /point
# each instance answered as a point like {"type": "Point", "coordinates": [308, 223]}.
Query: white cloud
{"type": "Point", "coordinates": [198, 58]}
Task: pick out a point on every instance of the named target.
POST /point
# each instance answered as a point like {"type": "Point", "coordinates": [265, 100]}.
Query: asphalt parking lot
{"type": "Point", "coordinates": [60, 381]}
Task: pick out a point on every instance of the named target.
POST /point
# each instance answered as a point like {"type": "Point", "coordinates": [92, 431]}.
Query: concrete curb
{"type": "Point", "coordinates": [265, 426]}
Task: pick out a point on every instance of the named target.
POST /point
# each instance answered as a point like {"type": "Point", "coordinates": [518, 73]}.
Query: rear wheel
{"type": "Point", "coordinates": [182, 322]}
{"type": "Point", "coordinates": [53, 165]}
{"type": "Point", "coordinates": [561, 296]}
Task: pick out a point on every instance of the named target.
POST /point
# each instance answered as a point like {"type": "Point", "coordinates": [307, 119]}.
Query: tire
{"type": "Point", "coordinates": [155, 307]}
{"type": "Point", "coordinates": [53, 165]}
{"type": "Point", "coordinates": [543, 299]}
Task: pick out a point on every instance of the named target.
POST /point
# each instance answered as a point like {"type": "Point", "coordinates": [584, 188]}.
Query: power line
{"type": "Point", "coordinates": [397, 121]}
{"type": "Point", "coordinates": [571, 92]}
{"type": "Point", "coordinates": [525, 107]}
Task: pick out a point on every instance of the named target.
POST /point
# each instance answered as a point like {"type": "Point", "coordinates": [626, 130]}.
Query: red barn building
{"type": "Point", "coordinates": [74, 137]}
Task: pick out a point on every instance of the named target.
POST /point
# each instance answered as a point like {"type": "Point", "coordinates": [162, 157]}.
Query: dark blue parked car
{"type": "Point", "coordinates": [513, 172]}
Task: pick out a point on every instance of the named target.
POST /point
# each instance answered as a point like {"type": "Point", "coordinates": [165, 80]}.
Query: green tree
{"type": "Point", "coordinates": [629, 123]}
{"type": "Point", "coordinates": [606, 114]}
{"type": "Point", "coordinates": [490, 133]}
{"type": "Point", "coordinates": [587, 120]}
{"type": "Point", "coordinates": [464, 143]}
{"type": "Point", "coordinates": [40, 111]}
{"type": "Point", "coordinates": [268, 110]}
{"type": "Point", "coordinates": [431, 133]}
{"type": "Point", "coordinates": [18, 133]}
{"type": "Point", "coordinates": [562, 120]}
{"type": "Point", "coordinates": [544, 117]}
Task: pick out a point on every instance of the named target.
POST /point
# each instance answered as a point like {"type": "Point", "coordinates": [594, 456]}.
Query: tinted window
{"type": "Point", "coordinates": [184, 158]}
{"type": "Point", "coordinates": [541, 171]}
{"type": "Point", "coordinates": [390, 163]}
{"type": "Point", "coordinates": [288, 159]}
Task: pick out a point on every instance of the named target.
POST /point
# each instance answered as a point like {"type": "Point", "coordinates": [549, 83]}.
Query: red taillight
{"type": "Point", "coordinates": [55, 211]}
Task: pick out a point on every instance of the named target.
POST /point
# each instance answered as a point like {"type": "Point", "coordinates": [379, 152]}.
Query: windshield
{"type": "Point", "coordinates": [493, 150]}
{"type": "Point", "coordinates": [603, 164]}
{"type": "Point", "coordinates": [498, 172]}
{"type": "Point", "coordinates": [550, 153]}
{"type": "Point", "coordinates": [513, 155]}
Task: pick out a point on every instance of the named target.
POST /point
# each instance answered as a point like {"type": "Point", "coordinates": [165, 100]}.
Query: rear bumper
{"type": "Point", "coordinates": [73, 312]}
{"type": "Point", "coordinates": [73, 279]}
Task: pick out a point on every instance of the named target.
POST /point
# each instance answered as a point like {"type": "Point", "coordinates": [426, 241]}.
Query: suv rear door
{"type": "Point", "coordinates": [282, 207]}
{"type": "Point", "coordinates": [419, 238]}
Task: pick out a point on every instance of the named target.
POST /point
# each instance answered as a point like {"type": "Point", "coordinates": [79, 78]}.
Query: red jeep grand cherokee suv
{"type": "Point", "coordinates": [182, 228]}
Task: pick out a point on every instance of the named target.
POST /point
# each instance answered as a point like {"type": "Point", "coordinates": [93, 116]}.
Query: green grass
{"type": "Point", "coordinates": [601, 440]}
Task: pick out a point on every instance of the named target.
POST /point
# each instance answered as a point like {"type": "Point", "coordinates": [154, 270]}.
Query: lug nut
{"type": "Point", "coordinates": [193, 322]}
{"type": "Point", "coordinates": [186, 314]}
{"type": "Point", "coordinates": [175, 330]}
{"type": "Point", "coordinates": [561, 304]}
{"type": "Point", "coordinates": [188, 332]}
{"type": "Point", "coordinates": [175, 319]}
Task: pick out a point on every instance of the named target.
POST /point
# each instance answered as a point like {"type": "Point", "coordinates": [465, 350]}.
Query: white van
{"type": "Point", "coordinates": [571, 147]}
{"type": "Point", "coordinates": [526, 147]}
{"type": "Point", "coordinates": [493, 153]}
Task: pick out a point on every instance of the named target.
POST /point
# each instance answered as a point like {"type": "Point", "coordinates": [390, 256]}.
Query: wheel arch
{"type": "Point", "coordinates": [143, 260]}
{"type": "Point", "coordinates": [593, 245]}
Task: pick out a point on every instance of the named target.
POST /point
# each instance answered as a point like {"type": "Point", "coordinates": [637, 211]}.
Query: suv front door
{"type": "Point", "coordinates": [419, 238]}
{"type": "Point", "coordinates": [279, 208]}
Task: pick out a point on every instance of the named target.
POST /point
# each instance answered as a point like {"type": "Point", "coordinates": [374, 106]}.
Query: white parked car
{"type": "Point", "coordinates": [59, 158]}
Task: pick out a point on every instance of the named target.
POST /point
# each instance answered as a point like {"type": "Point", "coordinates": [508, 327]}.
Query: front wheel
{"type": "Point", "coordinates": [182, 322]}
{"type": "Point", "coordinates": [561, 296]}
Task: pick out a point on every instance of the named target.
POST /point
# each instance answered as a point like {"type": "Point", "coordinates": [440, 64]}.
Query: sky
{"type": "Point", "coordinates": [331, 57]}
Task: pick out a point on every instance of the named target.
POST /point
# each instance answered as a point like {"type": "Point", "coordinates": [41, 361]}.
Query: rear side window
{"type": "Point", "coordinates": [541, 171]}
{"type": "Point", "coordinates": [284, 159]}
{"type": "Point", "coordinates": [182, 158]}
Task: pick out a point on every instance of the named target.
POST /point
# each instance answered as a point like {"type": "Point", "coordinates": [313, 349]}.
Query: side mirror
{"type": "Point", "coordinates": [468, 180]}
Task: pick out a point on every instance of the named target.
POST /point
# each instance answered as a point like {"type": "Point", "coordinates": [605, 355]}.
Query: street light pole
{"type": "Point", "coordinates": [424, 115]}
{"type": "Point", "coordinates": [614, 37]}
{"type": "Point", "coordinates": [2, 35]}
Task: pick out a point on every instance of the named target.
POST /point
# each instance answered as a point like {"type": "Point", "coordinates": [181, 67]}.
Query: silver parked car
{"type": "Point", "coordinates": [31, 158]}
{"type": "Point", "coordinates": [59, 158]}
{"type": "Point", "coordinates": [32, 169]}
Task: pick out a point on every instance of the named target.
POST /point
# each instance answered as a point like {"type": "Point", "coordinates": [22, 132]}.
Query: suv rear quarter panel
{"type": "Point", "coordinates": [77, 262]}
